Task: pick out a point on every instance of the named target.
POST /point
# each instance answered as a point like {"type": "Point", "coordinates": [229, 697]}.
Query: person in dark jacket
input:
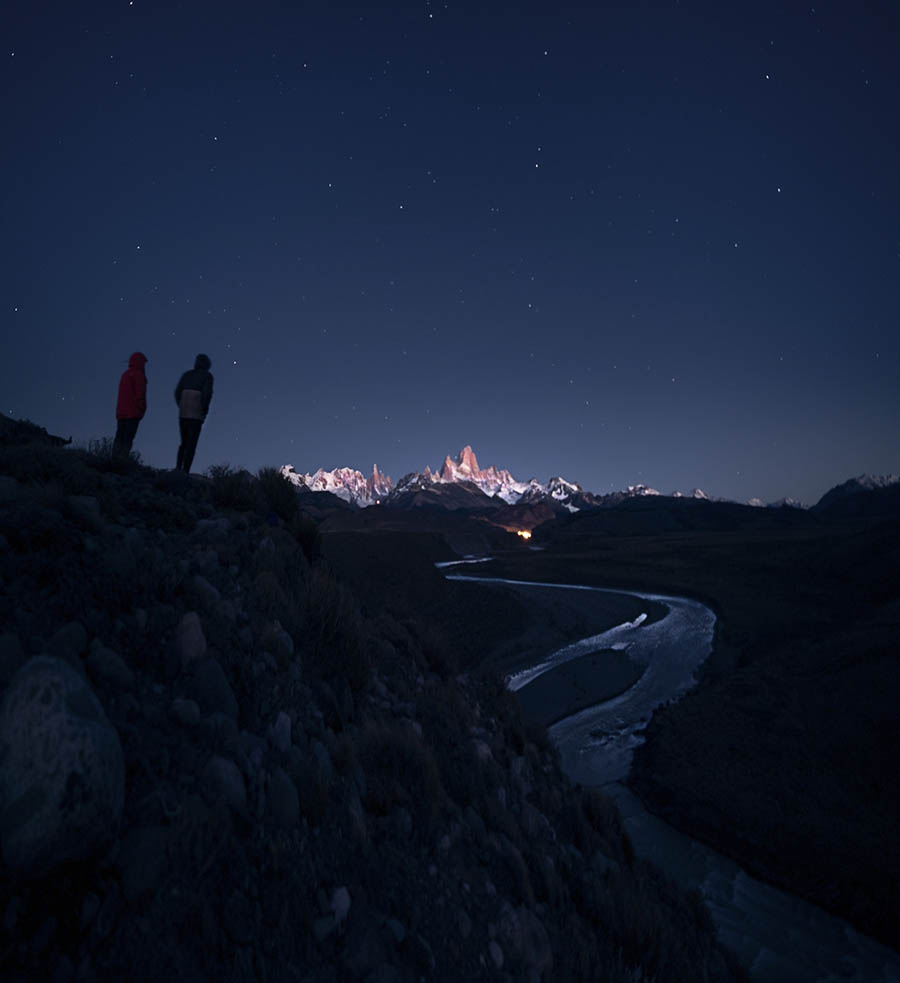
{"type": "Point", "coordinates": [193, 395]}
{"type": "Point", "coordinates": [132, 403]}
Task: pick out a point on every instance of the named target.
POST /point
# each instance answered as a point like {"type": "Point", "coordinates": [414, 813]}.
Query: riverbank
{"type": "Point", "coordinates": [800, 691]}
{"type": "Point", "coordinates": [577, 684]}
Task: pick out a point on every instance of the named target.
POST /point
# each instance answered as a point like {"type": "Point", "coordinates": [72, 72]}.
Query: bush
{"type": "Point", "coordinates": [102, 455]}
{"type": "Point", "coordinates": [306, 532]}
{"type": "Point", "coordinates": [336, 631]}
{"type": "Point", "coordinates": [400, 771]}
{"type": "Point", "coordinates": [278, 492]}
{"type": "Point", "coordinates": [234, 489]}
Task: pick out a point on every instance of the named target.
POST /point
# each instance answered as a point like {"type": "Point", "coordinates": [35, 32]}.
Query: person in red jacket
{"type": "Point", "coordinates": [132, 403]}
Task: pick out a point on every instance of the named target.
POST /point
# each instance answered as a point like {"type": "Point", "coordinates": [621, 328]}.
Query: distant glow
{"type": "Point", "coordinates": [524, 533]}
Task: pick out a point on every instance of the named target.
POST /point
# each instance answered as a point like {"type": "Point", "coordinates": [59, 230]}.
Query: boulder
{"type": "Point", "coordinates": [105, 664]}
{"type": "Point", "coordinates": [191, 640]}
{"type": "Point", "coordinates": [211, 689]}
{"type": "Point", "coordinates": [62, 777]}
{"type": "Point", "coordinates": [223, 781]}
{"type": "Point", "coordinates": [282, 800]}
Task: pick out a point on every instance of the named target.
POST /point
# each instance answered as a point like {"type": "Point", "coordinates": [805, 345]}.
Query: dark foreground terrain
{"type": "Point", "coordinates": [218, 761]}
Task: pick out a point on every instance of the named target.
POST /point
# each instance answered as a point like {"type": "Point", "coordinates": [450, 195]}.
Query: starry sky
{"type": "Point", "coordinates": [642, 242]}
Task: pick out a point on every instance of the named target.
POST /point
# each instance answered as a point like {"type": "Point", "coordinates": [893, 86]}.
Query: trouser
{"type": "Point", "coordinates": [126, 430]}
{"type": "Point", "coordinates": [190, 434]}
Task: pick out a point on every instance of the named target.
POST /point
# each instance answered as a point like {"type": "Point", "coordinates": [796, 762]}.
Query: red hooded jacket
{"type": "Point", "coordinates": [132, 404]}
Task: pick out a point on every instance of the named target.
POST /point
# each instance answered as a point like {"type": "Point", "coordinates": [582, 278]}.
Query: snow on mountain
{"type": "Point", "coordinates": [497, 483]}
{"type": "Point", "coordinates": [490, 480]}
{"type": "Point", "coordinates": [862, 483]}
{"type": "Point", "coordinates": [347, 483]}
{"type": "Point", "coordinates": [635, 490]}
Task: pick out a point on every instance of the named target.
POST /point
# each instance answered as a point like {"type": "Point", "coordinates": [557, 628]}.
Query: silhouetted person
{"type": "Point", "coordinates": [192, 394]}
{"type": "Point", "coordinates": [132, 403]}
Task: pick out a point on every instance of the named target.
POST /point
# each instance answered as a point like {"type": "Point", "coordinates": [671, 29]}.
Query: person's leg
{"type": "Point", "coordinates": [192, 435]}
{"type": "Point", "coordinates": [125, 434]}
{"type": "Point", "coordinates": [179, 462]}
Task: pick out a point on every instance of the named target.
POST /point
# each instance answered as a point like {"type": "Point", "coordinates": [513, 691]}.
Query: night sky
{"type": "Point", "coordinates": [651, 243]}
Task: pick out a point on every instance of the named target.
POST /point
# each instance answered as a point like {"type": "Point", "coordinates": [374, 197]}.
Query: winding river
{"type": "Point", "coordinates": [777, 936]}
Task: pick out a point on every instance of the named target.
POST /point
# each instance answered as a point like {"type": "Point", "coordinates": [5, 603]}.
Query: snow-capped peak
{"type": "Point", "coordinates": [347, 483]}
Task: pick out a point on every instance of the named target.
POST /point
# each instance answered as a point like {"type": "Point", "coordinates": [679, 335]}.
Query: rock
{"type": "Point", "coordinates": [222, 780]}
{"type": "Point", "coordinates": [108, 915]}
{"type": "Point", "coordinates": [323, 927]}
{"type": "Point", "coordinates": [211, 688]}
{"type": "Point", "coordinates": [240, 919]}
{"type": "Point", "coordinates": [9, 489]}
{"type": "Point", "coordinates": [212, 530]}
{"type": "Point", "coordinates": [280, 733]}
{"type": "Point", "coordinates": [340, 904]}
{"type": "Point", "coordinates": [70, 642]}
{"type": "Point", "coordinates": [85, 509]}
{"type": "Point", "coordinates": [496, 954]}
{"type": "Point", "coordinates": [422, 954]}
{"type": "Point", "coordinates": [141, 860]}
{"type": "Point", "coordinates": [12, 657]}
{"type": "Point", "coordinates": [185, 712]}
{"type": "Point", "coordinates": [224, 610]}
{"type": "Point", "coordinates": [191, 640]}
{"type": "Point", "coordinates": [62, 776]}
{"type": "Point", "coordinates": [398, 932]}
{"type": "Point", "coordinates": [203, 592]}
{"type": "Point", "coordinates": [108, 666]}
{"type": "Point", "coordinates": [253, 749]}
{"type": "Point", "coordinates": [323, 758]}
{"type": "Point", "coordinates": [277, 641]}
{"type": "Point", "coordinates": [401, 821]}
{"type": "Point", "coordinates": [525, 941]}
{"type": "Point", "coordinates": [140, 618]}
{"type": "Point", "coordinates": [282, 799]}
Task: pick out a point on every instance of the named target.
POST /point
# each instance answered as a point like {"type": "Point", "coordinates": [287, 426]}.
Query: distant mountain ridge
{"type": "Point", "coordinates": [460, 483]}
{"type": "Point", "coordinates": [463, 484]}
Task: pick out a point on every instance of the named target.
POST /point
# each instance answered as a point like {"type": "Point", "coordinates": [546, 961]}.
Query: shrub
{"type": "Point", "coordinates": [439, 654]}
{"type": "Point", "coordinates": [278, 492]}
{"type": "Point", "coordinates": [103, 455]}
{"type": "Point", "coordinates": [234, 489]}
{"type": "Point", "coordinates": [306, 531]}
{"type": "Point", "coordinates": [400, 771]}
{"type": "Point", "coordinates": [335, 630]}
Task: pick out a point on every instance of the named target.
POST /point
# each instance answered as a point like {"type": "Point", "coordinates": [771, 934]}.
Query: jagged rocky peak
{"type": "Point", "coordinates": [465, 466]}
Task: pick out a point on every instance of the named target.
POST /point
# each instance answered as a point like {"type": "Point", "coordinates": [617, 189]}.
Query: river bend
{"type": "Point", "coordinates": [777, 936]}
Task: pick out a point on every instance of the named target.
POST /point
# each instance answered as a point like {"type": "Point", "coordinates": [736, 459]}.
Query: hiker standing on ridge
{"type": "Point", "coordinates": [131, 404]}
{"type": "Point", "coordinates": [193, 395]}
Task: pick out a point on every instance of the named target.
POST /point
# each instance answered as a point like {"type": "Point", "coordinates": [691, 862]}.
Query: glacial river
{"type": "Point", "coordinates": [777, 936]}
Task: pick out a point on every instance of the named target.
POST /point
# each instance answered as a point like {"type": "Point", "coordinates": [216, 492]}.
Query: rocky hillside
{"type": "Point", "coordinates": [215, 765]}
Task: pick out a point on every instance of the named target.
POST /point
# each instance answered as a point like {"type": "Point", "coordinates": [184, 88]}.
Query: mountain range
{"type": "Point", "coordinates": [459, 484]}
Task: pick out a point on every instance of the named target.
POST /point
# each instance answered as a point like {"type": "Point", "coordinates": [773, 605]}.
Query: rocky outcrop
{"type": "Point", "coordinates": [226, 769]}
{"type": "Point", "coordinates": [61, 768]}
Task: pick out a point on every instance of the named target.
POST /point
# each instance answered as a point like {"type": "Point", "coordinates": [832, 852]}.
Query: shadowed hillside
{"type": "Point", "coordinates": [216, 762]}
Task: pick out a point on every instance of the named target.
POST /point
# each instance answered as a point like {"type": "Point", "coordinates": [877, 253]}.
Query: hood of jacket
{"type": "Point", "coordinates": [202, 362]}
{"type": "Point", "coordinates": [137, 361]}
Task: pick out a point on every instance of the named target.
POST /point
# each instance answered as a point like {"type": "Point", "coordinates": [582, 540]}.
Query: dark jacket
{"type": "Point", "coordinates": [194, 390]}
{"type": "Point", "coordinates": [132, 402]}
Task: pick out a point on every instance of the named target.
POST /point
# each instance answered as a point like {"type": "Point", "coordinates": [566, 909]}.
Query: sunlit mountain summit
{"type": "Point", "coordinates": [459, 483]}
